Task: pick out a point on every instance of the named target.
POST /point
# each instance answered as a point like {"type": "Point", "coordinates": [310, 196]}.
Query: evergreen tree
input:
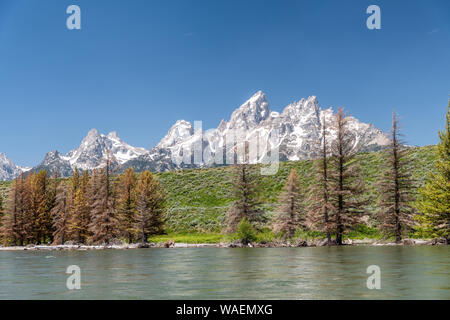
{"type": "Point", "coordinates": [434, 199]}
{"type": "Point", "coordinates": [318, 197]}
{"type": "Point", "coordinates": [2, 217]}
{"type": "Point", "coordinates": [74, 183]}
{"type": "Point", "coordinates": [60, 214]}
{"type": "Point", "coordinates": [127, 203]}
{"type": "Point", "coordinates": [396, 188]}
{"type": "Point", "coordinates": [246, 193]}
{"type": "Point", "coordinates": [41, 194]}
{"type": "Point", "coordinates": [85, 207]}
{"type": "Point", "coordinates": [27, 213]}
{"type": "Point", "coordinates": [103, 223]}
{"type": "Point", "coordinates": [37, 198]}
{"type": "Point", "coordinates": [290, 213]}
{"type": "Point", "coordinates": [51, 199]}
{"type": "Point", "coordinates": [79, 210]}
{"type": "Point", "coordinates": [9, 220]}
{"type": "Point", "coordinates": [346, 183]}
{"type": "Point", "coordinates": [93, 188]}
{"type": "Point", "coordinates": [17, 223]}
{"type": "Point", "coordinates": [150, 206]}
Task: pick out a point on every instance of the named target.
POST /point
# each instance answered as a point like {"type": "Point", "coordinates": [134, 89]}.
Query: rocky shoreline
{"type": "Point", "coordinates": [235, 244]}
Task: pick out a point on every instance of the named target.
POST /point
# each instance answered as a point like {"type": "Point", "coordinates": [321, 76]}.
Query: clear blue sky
{"type": "Point", "coordinates": [138, 66]}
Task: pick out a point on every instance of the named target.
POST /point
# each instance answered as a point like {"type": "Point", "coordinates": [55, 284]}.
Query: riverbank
{"type": "Point", "coordinates": [234, 244]}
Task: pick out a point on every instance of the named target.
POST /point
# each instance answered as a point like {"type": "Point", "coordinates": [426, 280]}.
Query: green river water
{"type": "Point", "coordinates": [416, 272]}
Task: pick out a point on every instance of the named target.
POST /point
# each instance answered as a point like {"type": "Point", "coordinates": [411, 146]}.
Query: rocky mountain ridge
{"type": "Point", "coordinates": [291, 132]}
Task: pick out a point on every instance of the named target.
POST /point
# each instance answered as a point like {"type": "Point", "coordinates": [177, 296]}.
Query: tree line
{"type": "Point", "coordinates": [335, 202]}
{"type": "Point", "coordinates": [87, 208]}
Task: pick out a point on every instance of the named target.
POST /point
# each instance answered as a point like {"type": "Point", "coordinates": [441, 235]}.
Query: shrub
{"type": "Point", "coordinates": [245, 231]}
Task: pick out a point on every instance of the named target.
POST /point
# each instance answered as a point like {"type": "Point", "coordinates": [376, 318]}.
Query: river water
{"type": "Point", "coordinates": [218, 273]}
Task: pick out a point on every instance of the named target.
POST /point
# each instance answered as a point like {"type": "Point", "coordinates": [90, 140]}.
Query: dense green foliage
{"type": "Point", "coordinates": [434, 199]}
{"type": "Point", "coordinates": [245, 231]}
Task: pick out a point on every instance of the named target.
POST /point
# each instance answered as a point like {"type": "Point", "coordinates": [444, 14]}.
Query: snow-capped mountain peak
{"type": "Point", "coordinates": [297, 125]}
{"type": "Point", "coordinates": [251, 113]}
{"type": "Point", "coordinates": [91, 154]}
{"type": "Point", "coordinates": [94, 149]}
{"type": "Point", "coordinates": [180, 131]}
{"type": "Point", "coordinates": [8, 169]}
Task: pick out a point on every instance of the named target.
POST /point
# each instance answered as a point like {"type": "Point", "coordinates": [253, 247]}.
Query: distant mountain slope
{"type": "Point", "coordinates": [91, 154]}
{"type": "Point", "coordinates": [292, 131]}
{"type": "Point", "coordinates": [297, 126]}
{"type": "Point", "coordinates": [8, 169]}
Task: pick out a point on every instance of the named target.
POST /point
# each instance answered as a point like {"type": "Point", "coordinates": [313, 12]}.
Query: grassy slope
{"type": "Point", "coordinates": [199, 198]}
{"type": "Point", "coordinates": [4, 188]}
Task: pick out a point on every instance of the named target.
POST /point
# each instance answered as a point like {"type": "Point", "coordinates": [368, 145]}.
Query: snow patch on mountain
{"type": "Point", "coordinates": [292, 131]}
{"type": "Point", "coordinates": [8, 169]}
{"type": "Point", "coordinates": [94, 149]}
{"type": "Point", "coordinates": [297, 127]}
{"type": "Point", "coordinates": [91, 154]}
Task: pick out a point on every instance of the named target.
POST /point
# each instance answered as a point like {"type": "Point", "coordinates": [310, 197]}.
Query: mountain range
{"type": "Point", "coordinates": [296, 127]}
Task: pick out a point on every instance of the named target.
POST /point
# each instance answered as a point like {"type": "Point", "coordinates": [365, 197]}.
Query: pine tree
{"type": "Point", "coordinates": [434, 199]}
{"type": "Point", "coordinates": [150, 206]}
{"type": "Point", "coordinates": [74, 183]}
{"type": "Point", "coordinates": [38, 183]}
{"type": "Point", "coordinates": [51, 199]}
{"type": "Point", "coordinates": [60, 214]}
{"type": "Point", "coordinates": [2, 217]}
{"type": "Point", "coordinates": [246, 193]}
{"type": "Point", "coordinates": [17, 223]}
{"type": "Point", "coordinates": [7, 231]}
{"type": "Point", "coordinates": [103, 223]}
{"type": "Point", "coordinates": [346, 183]}
{"type": "Point", "coordinates": [17, 211]}
{"type": "Point", "coordinates": [79, 210]}
{"type": "Point", "coordinates": [318, 202]}
{"type": "Point", "coordinates": [290, 213]}
{"type": "Point", "coordinates": [41, 205]}
{"type": "Point", "coordinates": [10, 217]}
{"type": "Point", "coordinates": [85, 207]}
{"type": "Point", "coordinates": [127, 203]}
{"type": "Point", "coordinates": [396, 188]}
{"type": "Point", "coordinates": [27, 212]}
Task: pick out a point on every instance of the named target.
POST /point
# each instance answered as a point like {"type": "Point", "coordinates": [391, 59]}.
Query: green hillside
{"type": "Point", "coordinates": [199, 198]}
{"type": "Point", "coordinates": [4, 187]}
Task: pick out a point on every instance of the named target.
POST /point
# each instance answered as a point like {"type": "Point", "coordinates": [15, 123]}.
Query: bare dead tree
{"type": "Point", "coordinates": [104, 223]}
{"type": "Point", "coordinates": [396, 188]}
{"type": "Point", "coordinates": [290, 214]}
{"type": "Point", "coordinates": [61, 214]}
{"type": "Point", "coordinates": [318, 202]}
{"type": "Point", "coordinates": [346, 183]}
{"type": "Point", "coordinates": [245, 191]}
